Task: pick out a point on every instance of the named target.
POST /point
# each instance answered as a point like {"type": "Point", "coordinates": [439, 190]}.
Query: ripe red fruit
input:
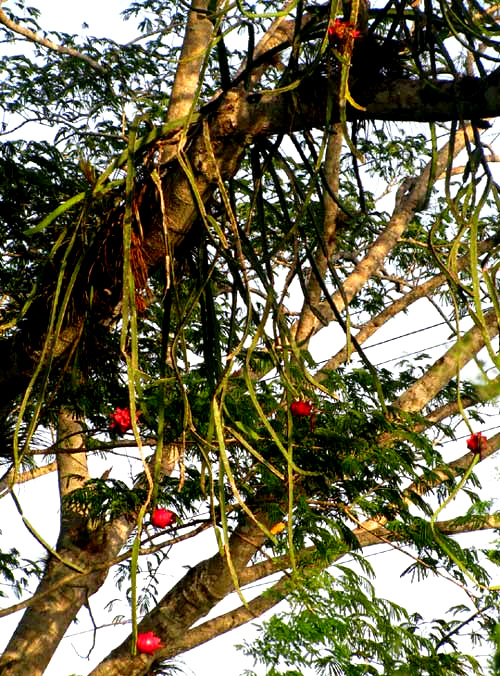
{"type": "Point", "coordinates": [121, 420]}
{"type": "Point", "coordinates": [301, 408]}
{"type": "Point", "coordinates": [340, 31]}
{"type": "Point", "coordinates": [162, 517]}
{"type": "Point", "coordinates": [477, 443]}
{"type": "Point", "coordinates": [148, 643]}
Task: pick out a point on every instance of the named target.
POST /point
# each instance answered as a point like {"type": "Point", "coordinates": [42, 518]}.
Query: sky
{"type": "Point", "coordinates": [102, 17]}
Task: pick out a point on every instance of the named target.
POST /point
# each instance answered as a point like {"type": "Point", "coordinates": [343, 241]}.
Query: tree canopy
{"type": "Point", "coordinates": [239, 190]}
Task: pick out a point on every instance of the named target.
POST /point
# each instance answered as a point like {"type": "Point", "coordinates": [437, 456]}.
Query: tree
{"type": "Point", "coordinates": [205, 211]}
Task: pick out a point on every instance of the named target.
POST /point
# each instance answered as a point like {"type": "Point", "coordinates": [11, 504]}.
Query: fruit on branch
{"type": "Point", "coordinates": [477, 443]}
{"type": "Point", "coordinates": [148, 643]}
{"type": "Point", "coordinates": [340, 33]}
{"type": "Point", "coordinates": [121, 420]}
{"type": "Point", "coordinates": [162, 518]}
{"type": "Point", "coordinates": [301, 408]}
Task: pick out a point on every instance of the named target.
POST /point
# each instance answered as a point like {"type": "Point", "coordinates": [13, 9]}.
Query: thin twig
{"type": "Point", "coordinates": [45, 42]}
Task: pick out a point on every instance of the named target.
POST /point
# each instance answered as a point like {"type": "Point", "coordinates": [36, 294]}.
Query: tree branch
{"type": "Point", "coordinates": [29, 649]}
{"type": "Point", "coordinates": [25, 476]}
{"type": "Point", "coordinates": [199, 32]}
{"type": "Point", "coordinates": [232, 619]}
{"type": "Point", "coordinates": [277, 592]}
{"type": "Point", "coordinates": [408, 202]}
{"type": "Point", "coordinates": [395, 99]}
{"type": "Point", "coordinates": [395, 307]}
{"type": "Point", "coordinates": [443, 370]}
{"type": "Point", "coordinates": [422, 486]}
{"type": "Point", "coordinates": [45, 42]}
{"type": "Point", "coordinates": [326, 245]}
{"type": "Point", "coordinates": [441, 474]}
{"type": "Point", "coordinates": [191, 598]}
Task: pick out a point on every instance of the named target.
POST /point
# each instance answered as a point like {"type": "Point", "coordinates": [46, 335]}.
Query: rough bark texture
{"type": "Point", "coordinates": [211, 148]}
{"type": "Point", "coordinates": [235, 120]}
{"type": "Point", "coordinates": [56, 601]}
{"type": "Point", "coordinates": [447, 366]}
{"type": "Point", "coordinates": [190, 599]}
{"type": "Point", "coordinates": [199, 32]}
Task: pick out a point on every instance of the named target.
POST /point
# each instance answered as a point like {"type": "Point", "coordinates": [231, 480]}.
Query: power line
{"type": "Point", "coordinates": [410, 354]}
{"type": "Point", "coordinates": [404, 335]}
{"type": "Point", "coordinates": [389, 340]}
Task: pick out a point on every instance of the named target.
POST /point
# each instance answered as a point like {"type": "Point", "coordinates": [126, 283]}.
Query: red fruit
{"type": "Point", "coordinates": [148, 643]}
{"type": "Point", "coordinates": [121, 420]}
{"type": "Point", "coordinates": [340, 31]}
{"type": "Point", "coordinates": [301, 407]}
{"type": "Point", "coordinates": [477, 443]}
{"type": "Point", "coordinates": [163, 517]}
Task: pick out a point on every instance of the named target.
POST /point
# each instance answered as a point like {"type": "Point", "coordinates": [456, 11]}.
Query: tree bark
{"type": "Point", "coordinates": [199, 32]}
{"type": "Point", "coordinates": [30, 649]}
{"type": "Point", "coordinates": [443, 370]}
{"type": "Point", "coordinates": [190, 599]}
{"type": "Point", "coordinates": [408, 201]}
{"type": "Point", "coordinates": [234, 121]}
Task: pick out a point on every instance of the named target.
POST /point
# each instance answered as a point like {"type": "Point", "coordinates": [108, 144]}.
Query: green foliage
{"type": "Point", "coordinates": [101, 500]}
{"type": "Point", "coordinates": [17, 571]}
{"type": "Point", "coordinates": [495, 660]}
{"type": "Point", "coordinates": [337, 625]}
{"type": "Point", "coordinates": [203, 342]}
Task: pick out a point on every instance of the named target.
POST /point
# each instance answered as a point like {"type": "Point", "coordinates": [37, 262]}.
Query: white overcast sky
{"type": "Point", "coordinates": [429, 598]}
